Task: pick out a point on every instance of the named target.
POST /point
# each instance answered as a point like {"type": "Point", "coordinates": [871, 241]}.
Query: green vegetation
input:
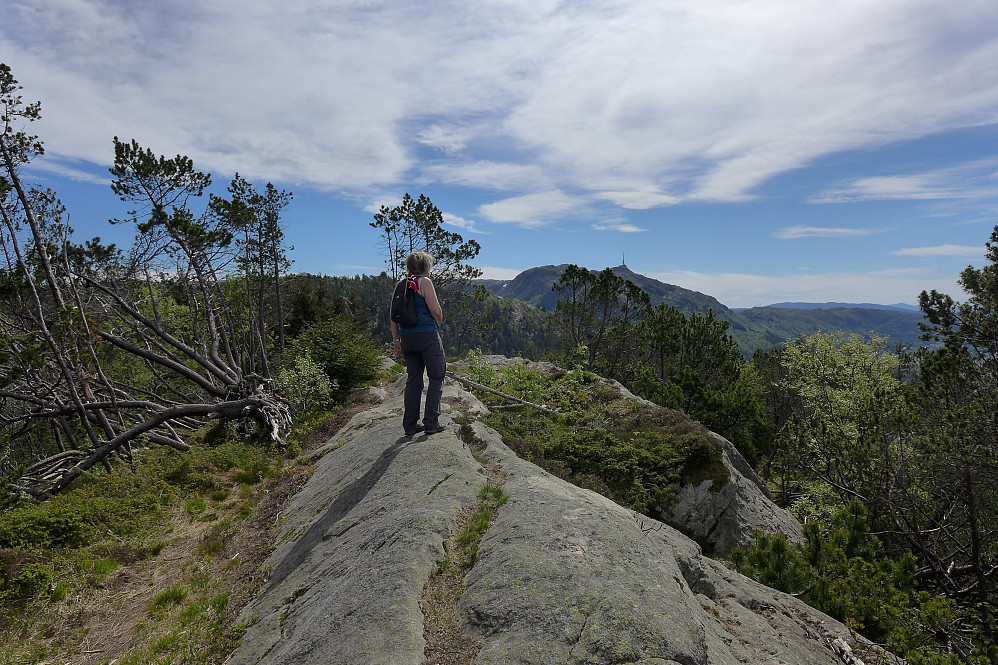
{"type": "Point", "coordinates": [686, 362]}
{"type": "Point", "coordinates": [901, 445]}
{"type": "Point", "coordinates": [842, 570]}
{"type": "Point", "coordinates": [446, 640]}
{"type": "Point", "coordinates": [633, 453]}
{"type": "Point", "coordinates": [161, 538]}
{"type": "Point", "coordinates": [464, 545]}
{"type": "Point", "coordinates": [344, 352]}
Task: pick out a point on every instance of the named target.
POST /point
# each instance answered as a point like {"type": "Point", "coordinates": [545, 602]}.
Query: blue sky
{"type": "Point", "coordinates": [755, 150]}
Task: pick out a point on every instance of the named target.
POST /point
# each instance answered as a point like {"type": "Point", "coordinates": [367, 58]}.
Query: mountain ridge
{"type": "Point", "coordinates": [900, 307]}
{"type": "Point", "coordinates": [752, 328]}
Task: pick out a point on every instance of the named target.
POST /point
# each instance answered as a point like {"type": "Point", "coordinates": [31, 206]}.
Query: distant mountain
{"type": "Point", "coordinates": [756, 327]}
{"type": "Point", "coordinates": [903, 307]}
{"type": "Point", "coordinates": [534, 286]}
{"type": "Point", "coordinates": [784, 323]}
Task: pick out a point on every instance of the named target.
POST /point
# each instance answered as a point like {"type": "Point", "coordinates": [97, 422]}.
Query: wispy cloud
{"type": "Point", "coordinates": [622, 227]}
{"type": "Point", "coordinates": [345, 267]}
{"type": "Point", "coordinates": [639, 199]}
{"type": "Point", "coordinates": [491, 272]}
{"type": "Point", "coordinates": [448, 139]}
{"type": "Point", "coordinates": [971, 180]}
{"type": "Point", "coordinates": [67, 171]}
{"type": "Point", "coordinates": [794, 232]}
{"type": "Point", "coordinates": [941, 250]}
{"type": "Point", "coordinates": [486, 174]}
{"type": "Point", "coordinates": [531, 210]}
{"type": "Point", "coordinates": [702, 100]}
{"type": "Point", "coordinates": [468, 225]}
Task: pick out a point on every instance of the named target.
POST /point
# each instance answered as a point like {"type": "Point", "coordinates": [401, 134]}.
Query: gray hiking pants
{"type": "Point", "coordinates": [423, 350]}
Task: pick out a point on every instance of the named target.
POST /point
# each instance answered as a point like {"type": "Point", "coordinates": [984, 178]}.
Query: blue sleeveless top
{"type": "Point", "coordinates": [426, 321]}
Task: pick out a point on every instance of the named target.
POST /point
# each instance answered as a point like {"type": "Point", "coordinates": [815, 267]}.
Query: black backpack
{"type": "Point", "coordinates": [403, 310]}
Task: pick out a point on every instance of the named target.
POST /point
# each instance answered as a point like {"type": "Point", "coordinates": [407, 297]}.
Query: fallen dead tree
{"type": "Point", "coordinates": [100, 351]}
{"type": "Point", "coordinates": [493, 391]}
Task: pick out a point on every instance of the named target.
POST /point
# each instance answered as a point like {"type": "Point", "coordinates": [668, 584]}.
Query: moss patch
{"type": "Point", "coordinates": [634, 453]}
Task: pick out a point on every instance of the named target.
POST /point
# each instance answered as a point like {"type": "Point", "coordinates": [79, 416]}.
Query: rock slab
{"type": "Point", "coordinates": [563, 575]}
{"type": "Point", "coordinates": [357, 545]}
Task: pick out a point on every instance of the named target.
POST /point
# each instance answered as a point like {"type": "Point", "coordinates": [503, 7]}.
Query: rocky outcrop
{"type": "Point", "coordinates": [563, 575]}
{"type": "Point", "coordinates": [718, 515]}
{"type": "Point", "coordinates": [723, 517]}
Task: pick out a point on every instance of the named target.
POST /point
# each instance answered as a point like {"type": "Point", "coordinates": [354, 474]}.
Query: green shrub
{"type": "Point", "coordinates": [24, 584]}
{"type": "Point", "coordinates": [345, 351]}
{"type": "Point", "coordinates": [305, 384]}
{"type": "Point", "coordinates": [64, 524]}
{"type": "Point", "coordinates": [634, 453]}
{"type": "Point", "coordinates": [842, 570]}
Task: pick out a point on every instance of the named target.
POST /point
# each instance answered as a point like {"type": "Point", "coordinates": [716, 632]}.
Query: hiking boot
{"type": "Point", "coordinates": [434, 429]}
{"type": "Point", "coordinates": [415, 430]}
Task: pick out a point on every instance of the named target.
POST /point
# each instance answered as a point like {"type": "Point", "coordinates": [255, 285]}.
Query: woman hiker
{"type": "Point", "coordinates": [422, 348]}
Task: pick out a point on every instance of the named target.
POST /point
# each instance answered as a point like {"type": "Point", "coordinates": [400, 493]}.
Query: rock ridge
{"type": "Point", "coordinates": [563, 575]}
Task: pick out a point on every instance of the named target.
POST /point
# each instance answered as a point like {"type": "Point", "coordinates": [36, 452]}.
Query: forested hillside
{"type": "Point", "coordinates": [785, 324]}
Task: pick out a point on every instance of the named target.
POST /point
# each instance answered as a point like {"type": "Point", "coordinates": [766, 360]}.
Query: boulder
{"type": "Point", "coordinates": [723, 516]}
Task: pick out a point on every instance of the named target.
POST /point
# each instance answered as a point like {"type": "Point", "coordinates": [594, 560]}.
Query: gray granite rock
{"type": "Point", "coordinates": [721, 518]}
{"type": "Point", "coordinates": [357, 545]}
{"type": "Point", "coordinates": [563, 575]}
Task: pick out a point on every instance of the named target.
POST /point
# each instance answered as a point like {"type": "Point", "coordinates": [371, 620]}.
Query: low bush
{"type": "Point", "coordinates": [347, 353]}
{"type": "Point", "coordinates": [23, 584]}
{"type": "Point", "coordinates": [843, 571]}
{"type": "Point", "coordinates": [632, 452]}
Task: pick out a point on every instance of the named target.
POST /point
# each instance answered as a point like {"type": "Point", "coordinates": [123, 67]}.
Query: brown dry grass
{"type": "Point", "coordinates": [108, 621]}
{"type": "Point", "coordinates": [446, 642]}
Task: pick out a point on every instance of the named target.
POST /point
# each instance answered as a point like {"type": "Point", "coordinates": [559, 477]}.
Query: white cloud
{"type": "Point", "coordinates": [748, 290]}
{"type": "Point", "coordinates": [448, 139]}
{"type": "Point", "coordinates": [531, 210]}
{"type": "Point", "coordinates": [496, 176]}
{"type": "Point", "coordinates": [970, 180]}
{"type": "Point", "coordinates": [701, 100]}
{"type": "Point", "coordinates": [384, 200]}
{"type": "Point", "coordinates": [462, 223]}
{"type": "Point", "coordinates": [639, 199]}
{"type": "Point", "coordinates": [360, 270]}
{"type": "Point", "coordinates": [622, 227]}
{"type": "Point", "coordinates": [65, 170]}
{"type": "Point", "coordinates": [793, 232]}
{"type": "Point", "coordinates": [941, 250]}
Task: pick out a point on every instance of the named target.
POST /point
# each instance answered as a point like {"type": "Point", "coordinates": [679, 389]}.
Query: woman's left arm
{"type": "Point", "coordinates": [432, 303]}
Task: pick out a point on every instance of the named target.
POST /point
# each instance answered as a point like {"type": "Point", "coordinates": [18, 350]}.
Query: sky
{"type": "Point", "coordinates": [759, 151]}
